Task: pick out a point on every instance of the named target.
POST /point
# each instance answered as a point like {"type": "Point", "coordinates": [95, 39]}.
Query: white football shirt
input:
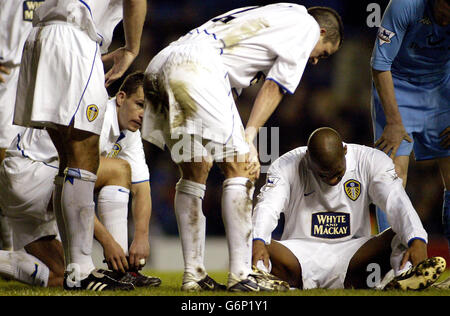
{"type": "Point", "coordinates": [36, 144]}
{"type": "Point", "coordinates": [315, 210]}
{"type": "Point", "coordinates": [274, 40]}
{"type": "Point", "coordinates": [97, 18]}
{"type": "Point", "coordinates": [15, 24]}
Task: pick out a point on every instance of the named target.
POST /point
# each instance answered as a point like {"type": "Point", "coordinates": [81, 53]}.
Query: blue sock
{"type": "Point", "coordinates": [446, 215]}
{"type": "Point", "coordinates": [382, 220]}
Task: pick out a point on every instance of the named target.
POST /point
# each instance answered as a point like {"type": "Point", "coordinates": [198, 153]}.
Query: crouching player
{"type": "Point", "coordinates": [324, 191]}
{"type": "Point", "coordinates": [29, 176]}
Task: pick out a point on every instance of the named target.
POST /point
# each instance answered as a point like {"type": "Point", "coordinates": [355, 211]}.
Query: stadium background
{"type": "Point", "coordinates": [334, 93]}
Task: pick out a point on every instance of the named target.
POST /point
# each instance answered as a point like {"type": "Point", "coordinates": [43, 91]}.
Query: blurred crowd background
{"type": "Point", "coordinates": [334, 93]}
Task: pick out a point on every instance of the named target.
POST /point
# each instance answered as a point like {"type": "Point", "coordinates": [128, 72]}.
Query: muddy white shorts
{"type": "Point", "coordinates": [196, 99]}
{"type": "Point", "coordinates": [61, 80]}
{"type": "Point", "coordinates": [27, 188]}
{"type": "Point", "coordinates": [7, 101]}
{"type": "Point", "coordinates": [324, 265]}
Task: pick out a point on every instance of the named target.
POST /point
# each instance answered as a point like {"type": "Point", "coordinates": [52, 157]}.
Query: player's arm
{"type": "Point", "coordinates": [445, 138]}
{"type": "Point", "coordinates": [267, 100]}
{"type": "Point", "coordinates": [389, 40]}
{"type": "Point", "coordinates": [272, 200]}
{"type": "Point", "coordinates": [113, 252]}
{"type": "Point", "coordinates": [386, 191]}
{"type": "Point", "coordinates": [134, 12]}
{"type": "Point", "coordinates": [141, 209]}
{"type": "Point", "coordinates": [394, 131]}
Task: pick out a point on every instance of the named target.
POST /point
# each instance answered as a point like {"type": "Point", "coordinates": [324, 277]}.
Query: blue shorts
{"type": "Point", "coordinates": [425, 112]}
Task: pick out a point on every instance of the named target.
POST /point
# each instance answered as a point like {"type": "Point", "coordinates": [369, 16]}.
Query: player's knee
{"type": "Point", "coordinates": [196, 171]}
{"type": "Point", "coordinates": [122, 173]}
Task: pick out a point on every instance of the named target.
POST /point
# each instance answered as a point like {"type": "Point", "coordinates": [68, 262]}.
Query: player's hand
{"type": "Point", "coordinates": [445, 136]}
{"type": "Point", "coordinates": [259, 252]}
{"type": "Point", "coordinates": [140, 249]}
{"type": "Point", "coordinates": [122, 58]}
{"type": "Point", "coordinates": [115, 256]}
{"type": "Point", "coordinates": [4, 70]}
{"type": "Point", "coordinates": [253, 166]}
{"type": "Point", "coordinates": [416, 253]}
{"type": "Point", "coordinates": [392, 137]}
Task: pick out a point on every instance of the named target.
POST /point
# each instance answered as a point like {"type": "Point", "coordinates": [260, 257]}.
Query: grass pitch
{"type": "Point", "coordinates": [171, 282]}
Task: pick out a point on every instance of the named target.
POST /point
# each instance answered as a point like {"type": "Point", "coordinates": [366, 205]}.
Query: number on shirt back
{"type": "Point", "coordinates": [232, 16]}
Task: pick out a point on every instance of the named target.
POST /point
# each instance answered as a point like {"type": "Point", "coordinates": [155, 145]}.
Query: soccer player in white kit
{"type": "Point", "coordinates": [62, 86]}
{"type": "Point", "coordinates": [28, 174]}
{"type": "Point", "coordinates": [191, 84]}
{"type": "Point", "coordinates": [15, 21]}
{"type": "Point", "coordinates": [324, 191]}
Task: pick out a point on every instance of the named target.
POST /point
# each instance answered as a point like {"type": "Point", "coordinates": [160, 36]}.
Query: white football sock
{"type": "Point", "coordinates": [191, 225]}
{"type": "Point", "coordinates": [112, 208]}
{"type": "Point", "coordinates": [23, 267]}
{"type": "Point", "coordinates": [237, 206]}
{"type": "Point", "coordinates": [78, 211]}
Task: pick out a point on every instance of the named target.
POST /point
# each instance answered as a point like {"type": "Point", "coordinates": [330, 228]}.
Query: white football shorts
{"type": "Point", "coordinates": [27, 188]}
{"type": "Point", "coordinates": [61, 80]}
{"type": "Point", "coordinates": [324, 265]}
{"type": "Point", "coordinates": [7, 100]}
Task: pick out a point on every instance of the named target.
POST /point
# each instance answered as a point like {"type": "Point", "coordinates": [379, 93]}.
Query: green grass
{"type": "Point", "coordinates": [171, 282]}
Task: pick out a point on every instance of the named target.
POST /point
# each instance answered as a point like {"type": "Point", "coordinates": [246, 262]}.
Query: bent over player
{"type": "Point", "coordinates": [28, 173]}
{"type": "Point", "coordinates": [190, 85]}
{"type": "Point", "coordinates": [324, 191]}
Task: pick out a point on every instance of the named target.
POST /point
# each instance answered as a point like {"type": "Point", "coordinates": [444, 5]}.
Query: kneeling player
{"type": "Point", "coordinates": [324, 191]}
{"type": "Point", "coordinates": [30, 176]}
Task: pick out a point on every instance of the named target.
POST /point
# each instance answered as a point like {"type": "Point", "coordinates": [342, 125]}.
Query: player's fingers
{"type": "Point", "coordinates": [5, 70]}
{"type": "Point", "coordinates": [408, 138]}
{"type": "Point", "coordinates": [404, 260]}
{"type": "Point", "coordinates": [112, 265]}
{"type": "Point", "coordinates": [378, 142]}
{"type": "Point", "coordinates": [393, 152]}
{"type": "Point", "coordinates": [2, 80]}
{"type": "Point", "coordinates": [445, 132]}
{"type": "Point", "coordinates": [124, 262]}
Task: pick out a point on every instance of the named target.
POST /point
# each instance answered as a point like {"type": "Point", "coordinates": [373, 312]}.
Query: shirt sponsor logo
{"type": "Point", "coordinates": [91, 112]}
{"type": "Point", "coordinates": [29, 7]}
{"type": "Point", "coordinates": [384, 35]}
{"type": "Point", "coordinates": [330, 225]}
{"type": "Point", "coordinates": [352, 189]}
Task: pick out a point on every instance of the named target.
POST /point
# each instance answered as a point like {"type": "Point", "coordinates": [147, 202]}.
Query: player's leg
{"type": "Point", "coordinates": [79, 151]}
{"type": "Point", "coordinates": [285, 264]}
{"type": "Point", "coordinates": [444, 167]}
{"type": "Point", "coordinates": [5, 233]}
{"type": "Point", "coordinates": [113, 186]}
{"type": "Point", "coordinates": [376, 251]}
{"type": "Point", "coordinates": [190, 191]}
{"type": "Point", "coordinates": [50, 251]}
{"type": "Point", "coordinates": [401, 160]}
{"type": "Point", "coordinates": [237, 205]}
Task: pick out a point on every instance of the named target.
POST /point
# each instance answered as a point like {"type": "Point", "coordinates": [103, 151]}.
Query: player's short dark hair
{"type": "Point", "coordinates": [132, 82]}
{"type": "Point", "coordinates": [331, 21]}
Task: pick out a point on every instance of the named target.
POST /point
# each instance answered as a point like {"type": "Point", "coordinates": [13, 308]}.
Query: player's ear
{"type": "Point", "coordinates": [120, 98]}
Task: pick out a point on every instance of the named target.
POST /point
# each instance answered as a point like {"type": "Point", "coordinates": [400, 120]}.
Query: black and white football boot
{"type": "Point", "coordinates": [419, 277]}
{"type": "Point", "coordinates": [134, 277]}
{"type": "Point", "coordinates": [191, 284]}
{"type": "Point", "coordinates": [257, 281]}
{"type": "Point", "coordinates": [96, 281]}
